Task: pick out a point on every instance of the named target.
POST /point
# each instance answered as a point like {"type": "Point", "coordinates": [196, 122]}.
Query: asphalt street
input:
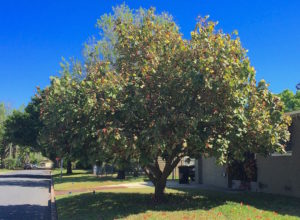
{"type": "Point", "coordinates": [25, 195]}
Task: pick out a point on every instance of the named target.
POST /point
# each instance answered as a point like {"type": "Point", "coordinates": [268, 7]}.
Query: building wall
{"type": "Point", "coordinates": [46, 164]}
{"type": "Point", "coordinates": [198, 171]}
{"type": "Point", "coordinates": [280, 174]}
{"type": "Point", "coordinates": [175, 172]}
{"type": "Point", "coordinates": [212, 174]}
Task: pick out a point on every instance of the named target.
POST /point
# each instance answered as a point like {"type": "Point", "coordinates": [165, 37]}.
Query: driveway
{"type": "Point", "coordinates": [25, 195]}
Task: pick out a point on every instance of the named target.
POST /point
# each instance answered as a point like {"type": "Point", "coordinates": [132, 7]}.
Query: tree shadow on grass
{"type": "Point", "coordinates": [114, 205]}
{"type": "Point", "coordinates": [108, 205]}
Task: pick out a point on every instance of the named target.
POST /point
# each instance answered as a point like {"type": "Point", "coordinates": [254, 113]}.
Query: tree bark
{"type": "Point", "coordinates": [1, 161]}
{"type": "Point", "coordinates": [135, 173]}
{"type": "Point", "coordinates": [159, 192]}
{"type": "Point", "coordinates": [121, 174]}
{"type": "Point", "coordinates": [14, 152]}
{"type": "Point", "coordinates": [159, 178]}
{"type": "Point", "coordinates": [69, 167]}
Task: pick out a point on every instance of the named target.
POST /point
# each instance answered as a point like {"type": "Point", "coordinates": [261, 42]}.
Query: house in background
{"type": "Point", "coordinates": [46, 164]}
{"type": "Point", "coordinates": [186, 161]}
{"type": "Point", "coordinates": [276, 173]}
{"type": "Point", "coordinates": [280, 173]}
{"type": "Point", "coordinates": [207, 172]}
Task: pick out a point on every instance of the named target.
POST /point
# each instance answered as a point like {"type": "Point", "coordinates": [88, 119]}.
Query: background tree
{"type": "Point", "coordinates": [15, 139]}
{"type": "Point", "coordinates": [8, 151]}
{"type": "Point", "coordinates": [17, 128]}
{"type": "Point", "coordinates": [22, 129]}
{"type": "Point", "coordinates": [291, 100]}
{"type": "Point", "coordinates": [58, 109]}
{"type": "Point", "coordinates": [3, 146]}
{"type": "Point", "coordinates": [163, 96]}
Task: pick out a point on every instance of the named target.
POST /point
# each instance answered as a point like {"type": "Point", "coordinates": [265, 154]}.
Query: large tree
{"type": "Point", "coordinates": [159, 95]}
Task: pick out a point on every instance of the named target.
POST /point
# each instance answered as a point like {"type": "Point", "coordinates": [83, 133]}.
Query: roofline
{"type": "Point", "coordinates": [293, 113]}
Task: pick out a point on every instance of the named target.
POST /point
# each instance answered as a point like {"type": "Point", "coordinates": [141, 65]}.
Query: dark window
{"type": "Point", "coordinates": [292, 131]}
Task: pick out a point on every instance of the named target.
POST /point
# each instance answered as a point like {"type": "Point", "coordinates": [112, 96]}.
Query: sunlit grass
{"type": "Point", "coordinates": [180, 204]}
{"type": "Point", "coordinates": [4, 170]}
{"type": "Point", "coordinates": [84, 180]}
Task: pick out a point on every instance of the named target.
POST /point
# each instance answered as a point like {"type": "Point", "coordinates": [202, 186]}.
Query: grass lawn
{"type": "Point", "coordinates": [4, 170]}
{"type": "Point", "coordinates": [188, 204]}
{"type": "Point", "coordinates": [82, 179]}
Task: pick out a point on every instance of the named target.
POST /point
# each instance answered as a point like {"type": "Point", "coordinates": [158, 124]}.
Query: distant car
{"type": "Point", "coordinates": [28, 166]}
{"type": "Point", "coordinates": [34, 166]}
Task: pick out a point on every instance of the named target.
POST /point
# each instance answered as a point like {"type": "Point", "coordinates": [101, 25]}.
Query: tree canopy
{"type": "Point", "coordinates": [160, 95]}
{"type": "Point", "coordinates": [3, 115]}
{"type": "Point", "coordinates": [291, 100]}
{"type": "Point", "coordinates": [145, 92]}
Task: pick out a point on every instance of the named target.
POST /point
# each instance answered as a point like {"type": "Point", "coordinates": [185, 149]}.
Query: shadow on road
{"type": "Point", "coordinates": [25, 212]}
{"type": "Point", "coordinates": [32, 176]}
{"type": "Point", "coordinates": [26, 183]}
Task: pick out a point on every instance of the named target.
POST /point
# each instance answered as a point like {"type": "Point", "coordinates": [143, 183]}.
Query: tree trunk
{"type": "Point", "coordinates": [121, 174]}
{"type": "Point", "coordinates": [159, 193]}
{"type": "Point", "coordinates": [159, 178]}
{"type": "Point", "coordinates": [14, 152]}
{"type": "Point", "coordinates": [69, 167]}
{"type": "Point", "coordinates": [1, 161]}
{"type": "Point", "coordinates": [135, 173]}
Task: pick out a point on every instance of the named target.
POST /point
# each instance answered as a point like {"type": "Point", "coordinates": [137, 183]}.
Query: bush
{"type": "Point", "coordinates": [65, 164]}
{"type": "Point", "coordinates": [10, 163]}
{"type": "Point", "coordinates": [81, 164]}
{"type": "Point", "coordinates": [35, 158]}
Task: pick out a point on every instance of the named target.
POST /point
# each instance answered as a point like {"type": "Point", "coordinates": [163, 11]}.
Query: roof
{"type": "Point", "coordinates": [46, 161]}
{"type": "Point", "coordinates": [294, 113]}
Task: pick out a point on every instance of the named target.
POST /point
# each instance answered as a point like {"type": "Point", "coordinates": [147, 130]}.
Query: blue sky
{"type": "Point", "coordinates": [36, 34]}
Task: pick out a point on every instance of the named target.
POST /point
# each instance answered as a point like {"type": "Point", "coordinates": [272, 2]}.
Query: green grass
{"type": "Point", "coordinates": [188, 204]}
{"type": "Point", "coordinates": [4, 170]}
{"type": "Point", "coordinates": [82, 179]}
{"type": "Point", "coordinates": [181, 204]}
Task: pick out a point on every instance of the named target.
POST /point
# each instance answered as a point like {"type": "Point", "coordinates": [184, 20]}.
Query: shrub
{"type": "Point", "coordinates": [10, 163]}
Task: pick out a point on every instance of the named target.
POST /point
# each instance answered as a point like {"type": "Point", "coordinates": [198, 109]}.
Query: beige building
{"type": "Point", "coordinates": [277, 173]}
{"type": "Point", "coordinates": [209, 173]}
{"type": "Point", "coordinates": [46, 164]}
{"type": "Point", "coordinates": [280, 174]}
{"type": "Point", "coordinates": [175, 172]}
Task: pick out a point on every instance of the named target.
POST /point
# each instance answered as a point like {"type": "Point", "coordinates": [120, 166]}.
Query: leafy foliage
{"type": "Point", "coordinates": [3, 143]}
{"type": "Point", "coordinates": [145, 92]}
{"type": "Point", "coordinates": [22, 127]}
{"type": "Point", "coordinates": [291, 100]}
{"type": "Point", "coordinates": [2, 119]}
{"type": "Point", "coordinates": [163, 96]}
{"type": "Point", "coordinates": [57, 109]}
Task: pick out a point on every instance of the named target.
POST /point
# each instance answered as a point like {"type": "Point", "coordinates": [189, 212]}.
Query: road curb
{"type": "Point", "coordinates": [53, 202]}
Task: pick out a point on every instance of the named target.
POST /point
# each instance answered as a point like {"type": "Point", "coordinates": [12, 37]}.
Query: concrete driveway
{"type": "Point", "coordinates": [25, 195]}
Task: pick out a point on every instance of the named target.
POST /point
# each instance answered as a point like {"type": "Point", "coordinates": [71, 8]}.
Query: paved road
{"type": "Point", "coordinates": [25, 195]}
